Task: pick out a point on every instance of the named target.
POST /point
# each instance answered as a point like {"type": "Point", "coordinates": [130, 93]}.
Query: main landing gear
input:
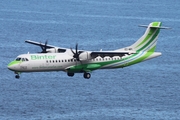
{"type": "Point", "coordinates": [86, 75]}
{"type": "Point", "coordinates": [70, 74]}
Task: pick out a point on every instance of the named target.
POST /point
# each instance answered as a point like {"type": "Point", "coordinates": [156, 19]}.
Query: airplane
{"type": "Point", "coordinates": [73, 61]}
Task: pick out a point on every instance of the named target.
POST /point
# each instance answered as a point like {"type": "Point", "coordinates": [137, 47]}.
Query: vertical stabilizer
{"type": "Point", "coordinates": [148, 41]}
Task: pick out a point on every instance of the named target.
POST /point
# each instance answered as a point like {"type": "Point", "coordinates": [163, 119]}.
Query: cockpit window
{"type": "Point", "coordinates": [18, 59]}
{"type": "Point", "coordinates": [21, 59]}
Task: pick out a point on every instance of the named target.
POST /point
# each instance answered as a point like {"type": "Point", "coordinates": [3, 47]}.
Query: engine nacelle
{"type": "Point", "coordinates": [55, 50]}
{"type": "Point", "coordinates": [85, 56]}
{"type": "Point", "coordinates": [52, 50]}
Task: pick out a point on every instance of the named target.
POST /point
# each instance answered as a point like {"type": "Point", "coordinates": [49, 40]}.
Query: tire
{"type": "Point", "coordinates": [87, 75]}
{"type": "Point", "coordinates": [17, 76]}
{"type": "Point", "coordinates": [70, 74]}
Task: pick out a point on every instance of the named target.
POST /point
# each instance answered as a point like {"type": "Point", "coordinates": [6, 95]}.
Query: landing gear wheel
{"type": "Point", "coordinates": [87, 75]}
{"type": "Point", "coordinates": [17, 76]}
{"type": "Point", "coordinates": [70, 74]}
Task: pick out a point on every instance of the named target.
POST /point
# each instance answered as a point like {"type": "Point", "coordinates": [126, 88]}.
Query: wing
{"type": "Point", "coordinates": [92, 53]}
{"type": "Point", "coordinates": [42, 45]}
{"type": "Point", "coordinates": [39, 44]}
{"type": "Point", "coordinates": [110, 53]}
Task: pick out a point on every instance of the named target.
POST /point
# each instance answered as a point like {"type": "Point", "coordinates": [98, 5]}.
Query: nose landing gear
{"type": "Point", "coordinates": [17, 76]}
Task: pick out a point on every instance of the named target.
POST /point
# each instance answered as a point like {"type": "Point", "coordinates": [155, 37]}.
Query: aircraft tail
{"type": "Point", "coordinates": [148, 41]}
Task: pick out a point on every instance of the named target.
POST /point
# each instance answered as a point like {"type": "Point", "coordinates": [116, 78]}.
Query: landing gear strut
{"type": "Point", "coordinates": [87, 75]}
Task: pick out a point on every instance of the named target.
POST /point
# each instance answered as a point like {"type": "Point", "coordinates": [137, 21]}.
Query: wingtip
{"type": "Point", "coordinates": [27, 40]}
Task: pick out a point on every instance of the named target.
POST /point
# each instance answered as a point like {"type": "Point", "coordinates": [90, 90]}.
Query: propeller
{"type": "Point", "coordinates": [44, 47]}
{"type": "Point", "coordinates": [76, 53]}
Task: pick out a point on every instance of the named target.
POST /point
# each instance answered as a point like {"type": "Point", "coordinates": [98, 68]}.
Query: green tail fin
{"type": "Point", "coordinates": [148, 41]}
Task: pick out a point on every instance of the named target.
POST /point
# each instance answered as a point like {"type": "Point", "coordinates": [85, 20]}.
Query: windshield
{"type": "Point", "coordinates": [18, 59]}
{"type": "Point", "coordinates": [21, 59]}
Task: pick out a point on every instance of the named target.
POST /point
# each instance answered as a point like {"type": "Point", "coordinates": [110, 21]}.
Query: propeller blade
{"type": "Point", "coordinates": [76, 53]}
{"type": "Point", "coordinates": [44, 47]}
{"type": "Point", "coordinates": [72, 51]}
{"type": "Point", "coordinates": [46, 42]}
{"type": "Point", "coordinates": [76, 48]}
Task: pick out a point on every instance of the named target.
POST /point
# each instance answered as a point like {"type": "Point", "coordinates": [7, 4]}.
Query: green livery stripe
{"type": "Point", "coordinates": [146, 38]}
{"type": "Point", "coordinates": [132, 59]}
{"type": "Point", "coordinates": [14, 63]}
{"type": "Point", "coordinates": [155, 24]}
{"type": "Point", "coordinates": [87, 68]}
{"type": "Point", "coordinates": [151, 40]}
{"type": "Point", "coordinates": [97, 65]}
{"type": "Point", "coordinates": [116, 61]}
{"type": "Point", "coordinates": [141, 58]}
{"type": "Point", "coordinates": [90, 66]}
{"type": "Point", "coordinates": [153, 33]}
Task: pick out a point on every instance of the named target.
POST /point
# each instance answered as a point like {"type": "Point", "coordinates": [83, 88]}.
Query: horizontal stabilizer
{"type": "Point", "coordinates": [160, 27]}
{"type": "Point", "coordinates": [148, 41]}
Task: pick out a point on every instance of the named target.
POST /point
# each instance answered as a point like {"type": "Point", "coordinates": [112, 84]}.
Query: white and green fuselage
{"type": "Point", "coordinates": [143, 49]}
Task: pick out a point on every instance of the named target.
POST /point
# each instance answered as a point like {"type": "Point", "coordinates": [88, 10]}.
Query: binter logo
{"type": "Point", "coordinates": [42, 57]}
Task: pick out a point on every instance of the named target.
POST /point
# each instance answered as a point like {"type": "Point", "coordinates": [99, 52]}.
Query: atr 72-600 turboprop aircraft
{"type": "Point", "coordinates": [73, 61]}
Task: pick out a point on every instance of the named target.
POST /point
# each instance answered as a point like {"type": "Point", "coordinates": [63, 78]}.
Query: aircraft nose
{"type": "Point", "coordinates": [12, 65]}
